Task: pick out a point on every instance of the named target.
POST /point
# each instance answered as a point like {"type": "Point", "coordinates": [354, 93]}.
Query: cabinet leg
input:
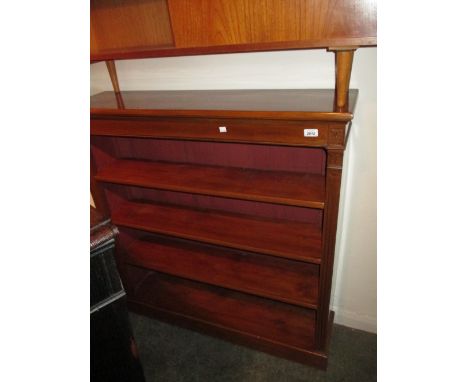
{"type": "Point", "coordinates": [343, 66]}
{"type": "Point", "coordinates": [115, 83]}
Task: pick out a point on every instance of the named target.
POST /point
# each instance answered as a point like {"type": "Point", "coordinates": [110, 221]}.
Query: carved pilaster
{"type": "Point", "coordinates": [336, 136]}
{"type": "Point", "coordinates": [330, 219]}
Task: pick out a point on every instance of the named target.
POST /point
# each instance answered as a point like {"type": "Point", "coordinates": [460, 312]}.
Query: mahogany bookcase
{"type": "Point", "coordinates": [227, 200]}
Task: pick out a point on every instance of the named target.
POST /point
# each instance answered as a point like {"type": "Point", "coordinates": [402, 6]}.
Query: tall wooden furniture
{"type": "Point", "coordinates": [227, 201]}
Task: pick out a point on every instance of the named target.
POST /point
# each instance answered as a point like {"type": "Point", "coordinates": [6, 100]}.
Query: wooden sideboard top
{"type": "Point", "coordinates": [307, 104]}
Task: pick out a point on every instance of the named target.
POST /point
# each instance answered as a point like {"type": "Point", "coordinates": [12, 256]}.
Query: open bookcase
{"type": "Point", "coordinates": [226, 200]}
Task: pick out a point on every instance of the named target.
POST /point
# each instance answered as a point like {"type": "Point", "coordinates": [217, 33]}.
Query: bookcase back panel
{"type": "Point", "coordinates": [261, 157]}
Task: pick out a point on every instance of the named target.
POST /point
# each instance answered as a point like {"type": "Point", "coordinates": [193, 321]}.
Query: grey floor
{"type": "Point", "coordinates": [169, 353]}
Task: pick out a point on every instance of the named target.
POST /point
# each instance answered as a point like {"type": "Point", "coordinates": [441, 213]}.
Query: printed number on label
{"type": "Point", "coordinates": [310, 132]}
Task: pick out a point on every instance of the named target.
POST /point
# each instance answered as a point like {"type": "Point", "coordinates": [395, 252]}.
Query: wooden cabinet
{"type": "Point", "coordinates": [227, 214]}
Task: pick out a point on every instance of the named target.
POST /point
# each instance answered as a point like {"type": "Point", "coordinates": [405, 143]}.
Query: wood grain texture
{"type": "Point", "coordinates": [115, 83]}
{"type": "Point", "coordinates": [290, 133]}
{"type": "Point", "coordinates": [212, 261]}
{"type": "Point", "coordinates": [248, 156]}
{"type": "Point", "coordinates": [296, 189]}
{"type": "Point", "coordinates": [334, 170]}
{"type": "Point", "coordinates": [231, 22]}
{"type": "Point", "coordinates": [266, 276]}
{"type": "Point", "coordinates": [287, 239]}
{"type": "Point", "coordinates": [314, 358]}
{"type": "Point", "coordinates": [343, 66]}
{"type": "Point", "coordinates": [128, 29]}
{"type": "Point", "coordinates": [113, 75]}
{"type": "Point", "coordinates": [291, 104]}
{"type": "Point", "coordinates": [204, 202]}
{"type": "Point", "coordinates": [128, 54]}
{"type": "Point", "coordinates": [129, 24]}
{"type": "Point", "coordinates": [264, 318]}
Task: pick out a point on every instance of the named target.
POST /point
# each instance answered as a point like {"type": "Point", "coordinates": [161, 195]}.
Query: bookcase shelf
{"type": "Point", "coordinates": [293, 282]}
{"type": "Point", "coordinates": [290, 188]}
{"type": "Point", "coordinates": [250, 233]}
{"type": "Point", "coordinates": [237, 313]}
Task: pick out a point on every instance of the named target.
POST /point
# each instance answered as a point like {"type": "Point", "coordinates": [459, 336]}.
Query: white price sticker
{"type": "Point", "coordinates": [310, 132]}
{"type": "Point", "coordinates": [222, 129]}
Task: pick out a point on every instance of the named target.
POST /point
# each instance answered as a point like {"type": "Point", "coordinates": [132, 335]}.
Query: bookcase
{"type": "Point", "coordinates": [227, 200]}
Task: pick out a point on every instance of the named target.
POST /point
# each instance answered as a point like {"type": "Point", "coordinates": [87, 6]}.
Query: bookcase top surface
{"type": "Point", "coordinates": [266, 103]}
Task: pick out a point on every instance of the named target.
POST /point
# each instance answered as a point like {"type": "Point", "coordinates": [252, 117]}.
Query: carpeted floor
{"type": "Point", "coordinates": [169, 353]}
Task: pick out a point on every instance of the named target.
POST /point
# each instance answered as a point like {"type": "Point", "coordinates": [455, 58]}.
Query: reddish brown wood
{"type": "Point", "coordinates": [168, 51]}
{"type": "Point", "coordinates": [334, 169]}
{"type": "Point", "coordinates": [97, 192]}
{"type": "Point", "coordinates": [203, 202]}
{"type": "Point", "coordinates": [343, 66]}
{"type": "Point", "coordinates": [311, 358]}
{"type": "Point", "coordinates": [238, 130]}
{"type": "Point", "coordinates": [115, 83]}
{"type": "Point", "coordinates": [288, 239]}
{"type": "Point", "coordinates": [202, 208]}
{"type": "Point", "coordinates": [307, 190]}
{"type": "Point", "coordinates": [225, 22]}
{"type": "Point", "coordinates": [226, 26]}
{"type": "Point", "coordinates": [128, 25]}
{"type": "Point", "coordinates": [113, 75]}
{"type": "Point", "coordinates": [297, 104]}
{"type": "Point", "coordinates": [264, 318]}
{"type": "Point", "coordinates": [283, 280]}
{"type": "Point", "coordinates": [242, 155]}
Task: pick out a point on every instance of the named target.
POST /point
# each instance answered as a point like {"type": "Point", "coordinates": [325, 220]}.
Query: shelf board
{"type": "Point", "coordinates": [261, 275]}
{"type": "Point", "coordinates": [283, 104]}
{"type": "Point", "coordinates": [289, 188]}
{"type": "Point", "coordinates": [282, 238]}
{"type": "Point", "coordinates": [264, 318]}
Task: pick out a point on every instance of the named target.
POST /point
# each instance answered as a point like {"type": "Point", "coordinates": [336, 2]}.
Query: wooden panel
{"type": "Point", "coordinates": [230, 22]}
{"type": "Point", "coordinates": [124, 25]}
{"type": "Point", "coordinates": [249, 131]}
{"type": "Point", "coordinates": [317, 104]}
{"type": "Point", "coordinates": [263, 318]}
{"type": "Point", "coordinates": [288, 188]}
{"type": "Point", "coordinates": [285, 280]}
{"type": "Point", "coordinates": [282, 238]}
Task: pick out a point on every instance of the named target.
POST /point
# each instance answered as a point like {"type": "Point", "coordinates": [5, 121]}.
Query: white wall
{"type": "Point", "coordinates": [354, 295]}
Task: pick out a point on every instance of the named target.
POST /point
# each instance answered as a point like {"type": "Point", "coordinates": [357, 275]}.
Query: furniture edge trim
{"type": "Point", "coordinates": [173, 51]}
{"type": "Point", "coordinates": [236, 114]}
